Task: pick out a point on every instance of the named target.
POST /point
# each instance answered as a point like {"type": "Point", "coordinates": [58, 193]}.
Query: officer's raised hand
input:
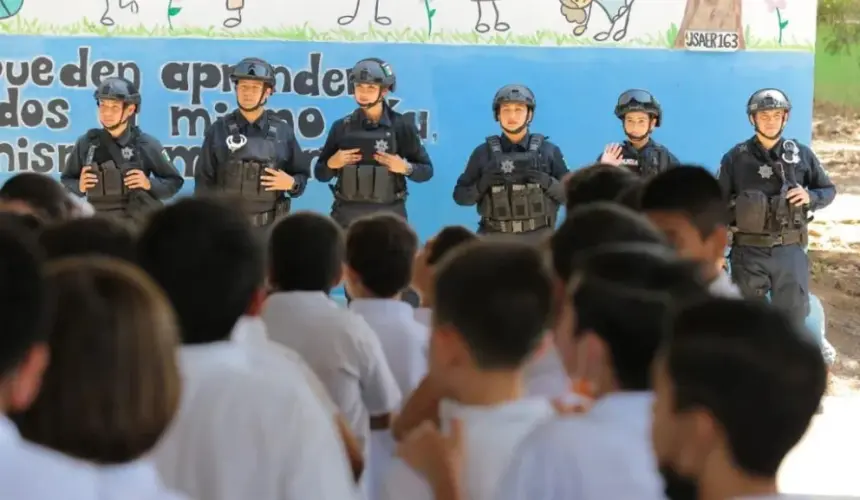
{"type": "Point", "coordinates": [136, 179]}
{"type": "Point", "coordinates": [277, 180]}
{"type": "Point", "coordinates": [344, 157]}
{"type": "Point", "coordinates": [797, 196]}
{"type": "Point", "coordinates": [394, 163]}
{"type": "Point", "coordinates": [612, 155]}
{"type": "Point", "coordinates": [87, 180]}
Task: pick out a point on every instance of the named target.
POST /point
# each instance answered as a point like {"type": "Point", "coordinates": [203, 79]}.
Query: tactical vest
{"type": "Point", "coordinates": [369, 181]}
{"type": "Point", "coordinates": [110, 163]}
{"type": "Point", "coordinates": [654, 163]}
{"type": "Point", "coordinates": [767, 221]}
{"type": "Point", "coordinates": [247, 162]}
{"type": "Point", "coordinates": [516, 204]}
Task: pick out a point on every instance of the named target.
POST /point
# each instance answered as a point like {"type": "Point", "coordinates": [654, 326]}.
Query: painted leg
{"type": "Point", "coordinates": [480, 25]}
{"type": "Point", "coordinates": [383, 20]}
{"type": "Point", "coordinates": [498, 25]}
{"type": "Point", "coordinates": [106, 19]}
{"type": "Point", "coordinates": [346, 20]}
{"type": "Point", "coordinates": [623, 20]}
{"type": "Point", "coordinates": [234, 13]}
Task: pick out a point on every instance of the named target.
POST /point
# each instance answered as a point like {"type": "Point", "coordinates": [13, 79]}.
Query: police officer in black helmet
{"type": "Point", "coordinates": [122, 171]}
{"type": "Point", "coordinates": [251, 154]}
{"type": "Point", "coordinates": [372, 151]}
{"type": "Point", "coordinates": [773, 183]}
{"type": "Point", "coordinates": [514, 178]}
{"type": "Point", "coordinates": [640, 113]}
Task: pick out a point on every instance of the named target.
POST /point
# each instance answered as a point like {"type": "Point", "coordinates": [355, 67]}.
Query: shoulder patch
{"type": "Point", "coordinates": [166, 156]}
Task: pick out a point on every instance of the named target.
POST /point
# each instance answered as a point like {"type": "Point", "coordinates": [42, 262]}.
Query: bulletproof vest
{"type": "Point", "coordinates": [369, 181]}
{"type": "Point", "coordinates": [515, 196]}
{"type": "Point", "coordinates": [247, 161]}
{"type": "Point", "coordinates": [646, 163]}
{"type": "Point", "coordinates": [757, 213]}
{"type": "Point", "coordinates": [110, 163]}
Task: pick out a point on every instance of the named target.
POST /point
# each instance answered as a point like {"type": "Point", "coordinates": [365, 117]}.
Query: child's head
{"type": "Point", "coordinates": [306, 252]}
{"type": "Point", "coordinates": [380, 250]}
{"type": "Point", "coordinates": [492, 307]}
{"type": "Point", "coordinates": [688, 205]}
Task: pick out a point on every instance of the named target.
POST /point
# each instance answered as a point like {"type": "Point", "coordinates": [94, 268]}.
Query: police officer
{"type": "Point", "coordinates": [121, 170]}
{"type": "Point", "coordinates": [773, 183]}
{"type": "Point", "coordinates": [514, 178]}
{"type": "Point", "coordinates": [372, 151]}
{"type": "Point", "coordinates": [640, 114]}
{"type": "Point", "coordinates": [251, 153]}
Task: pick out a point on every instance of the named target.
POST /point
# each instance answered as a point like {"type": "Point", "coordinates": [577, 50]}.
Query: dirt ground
{"type": "Point", "coordinates": [835, 244]}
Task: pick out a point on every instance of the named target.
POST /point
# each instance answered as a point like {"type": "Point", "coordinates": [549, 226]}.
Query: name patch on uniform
{"type": "Point", "coordinates": [712, 41]}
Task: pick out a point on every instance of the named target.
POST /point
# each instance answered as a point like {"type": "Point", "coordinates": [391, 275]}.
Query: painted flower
{"type": "Point", "coordinates": [772, 5]}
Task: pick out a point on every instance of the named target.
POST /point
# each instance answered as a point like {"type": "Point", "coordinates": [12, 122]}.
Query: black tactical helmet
{"type": "Point", "coordinates": [252, 68]}
{"type": "Point", "coordinates": [514, 93]}
{"type": "Point", "coordinates": [119, 89]}
{"type": "Point", "coordinates": [638, 100]}
{"type": "Point", "coordinates": [766, 99]}
{"type": "Point", "coordinates": [374, 71]}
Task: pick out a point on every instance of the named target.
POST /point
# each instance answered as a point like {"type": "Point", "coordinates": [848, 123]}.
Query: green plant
{"type": "Point", "coordinates": [671, 35]}
{"type": "Point", "coordinates": [842, 18]}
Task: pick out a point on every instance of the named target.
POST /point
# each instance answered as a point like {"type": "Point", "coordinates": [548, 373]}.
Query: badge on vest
{"type": "Point", "coordinates": [507, 166]}
{"type": "Point", "coordinates": [765, 171]}
{"type": "Point", "coordinates": [381, 146]}
{"type": "Point", "coordinates": [790, 148]}
{"type": "Point", "coordinates": [127, 153]}
{"type": "Point", "coordinates": [234, 144]}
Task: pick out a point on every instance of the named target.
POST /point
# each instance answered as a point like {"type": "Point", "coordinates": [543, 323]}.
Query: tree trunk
{"type": "Point", "coordinates": [712, 15]}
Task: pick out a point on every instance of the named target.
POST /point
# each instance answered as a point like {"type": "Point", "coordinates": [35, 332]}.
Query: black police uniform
{"type": "Point", "coordinates": [236, 154]}
{"type": "Point", "coordinates": [652, 158]}
{"type": "Point", "coordinates": [770, 235]}
{"type": "Point", "coordinates": [516, 185]}
{"type": "Point", "coordinates": [370, 187]}
{"type": "Point", "coordinates": [112, 159]}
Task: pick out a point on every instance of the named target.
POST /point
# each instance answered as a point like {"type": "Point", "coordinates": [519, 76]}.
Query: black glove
{"type": "Point", "coordinates": [490, 179]}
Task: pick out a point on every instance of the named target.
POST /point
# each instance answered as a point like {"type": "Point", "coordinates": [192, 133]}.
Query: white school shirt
{"type": "Point", "coordinates": [250, 429]}
{"type": "Point", "coordinates": [546, 376]}
{"type": "Point", "coordinates": [723, 286]}
{"type": "Point", "coordinates": [492, 435]}
{"type": "Point", "coordinates": [138, 480]}
{"type": "Point", "coordinates": [32, 472]}
{"type": "Point", "coordinates": [602, 454]}
{"type": "Point", "coordinates": [423, 315]}
{"type": "Point", "coordinates": [250, 331]}
{"type": "Point", "coordinates": [342, 350]}
{"type": "Point", "coordinates": [405, 343]}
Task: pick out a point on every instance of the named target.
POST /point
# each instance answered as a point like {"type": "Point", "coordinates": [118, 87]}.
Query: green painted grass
{"type": "Point", "coordinates": [837, 76]}
{"type": "Point", "coordinates": [305, 33]}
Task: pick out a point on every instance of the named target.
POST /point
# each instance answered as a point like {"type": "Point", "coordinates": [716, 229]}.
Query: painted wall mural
{"type": "Point", "coordinates": [725, 25]}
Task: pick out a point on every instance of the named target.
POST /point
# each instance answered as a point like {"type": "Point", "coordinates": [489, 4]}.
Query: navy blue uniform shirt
{"type": "Point", "coordinates": [154, 162]}
{"type": "Point", "coordinates": [214, 154]}
{"type": "Point", "coordinates": [406, 137]}
{"type": "Point", "coordinates": [748, 166]}
{"type": "Point", "coordinates": [482, 169]}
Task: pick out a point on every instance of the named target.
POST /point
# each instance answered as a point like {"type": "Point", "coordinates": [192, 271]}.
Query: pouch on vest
{"type": "Point", "coordinates": [537, 201]}
{"type": "Point", "coordinates": [751, 212]}
{"type": "Point", "coordinates": [520, 202]}
{"type": "Point", "coordinates": [349, 182]}
{"type": "Point", "coordinates": [231, 181]}
{"type": "Point", "coordinates": [250, 180]}
{"type": "Point", "coordinates": [501, 203]}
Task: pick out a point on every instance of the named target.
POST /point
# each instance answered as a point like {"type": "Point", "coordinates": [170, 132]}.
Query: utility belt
{"type": "Point", "coordinates": [269, 217]}
{"type": "Point", "coordinates": [368, 184]}
{"type": "Point", "coordinates": [515, 226]}
{"type": "Point", "coordinates": [792, 237]}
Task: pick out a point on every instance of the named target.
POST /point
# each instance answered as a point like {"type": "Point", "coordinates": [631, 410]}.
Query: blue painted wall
{"type": "Point", "coordinates": [703, 95]}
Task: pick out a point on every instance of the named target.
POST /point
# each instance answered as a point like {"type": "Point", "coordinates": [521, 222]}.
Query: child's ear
{"type": "Point", "coordinates": [718, 241]}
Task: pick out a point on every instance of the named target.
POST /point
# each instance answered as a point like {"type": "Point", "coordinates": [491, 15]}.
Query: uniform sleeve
{"type": "Point", "coordinates": [298, 164]}
{"type": "Point", "coordinates": [204, 174]}
{"type": "Point", "coordinates": [409, 144]}
{"type": "Point", "coordinates": [400, 482]}
{"type": "Point", "coordinates": [71, 174]}
{"type": "Point", "coordinates": [724, 176]}
{"type": "Point", "coordinates": [466, 192]}
{"type": "Point", "coordinates": [165, 179]}
{"type": "Point", "coordinates": [534, 473]}
{"type": "Point", "coordinates": [380, 392]}
{"type": "Point", "coordinates": [673, 160]}
{"type": "Point", "coordinates": [558, 169]}
{"type": "Point", "coordinates": [821, 189]}
{"type": "Point", "coordinates": [321, 171]}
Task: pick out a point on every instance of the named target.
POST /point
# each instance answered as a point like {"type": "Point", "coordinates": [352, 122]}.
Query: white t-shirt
{"type": "Point", "coordinates": [341, 349]}
{"type": "Point", "coordinates": [250, 429]}
{"type": "Point", "coordinates": [138, 480]}
{"type": "Point", "coordinates": [545, 374]}
{"type": "Point", "coordinates": [31, 472]}
{"type": "Point", "coordinates": [424, 315]}
{"type": "Point", "coordinates": [602, 454]}
{"type": "Point", "coordinates": [492, 435]}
